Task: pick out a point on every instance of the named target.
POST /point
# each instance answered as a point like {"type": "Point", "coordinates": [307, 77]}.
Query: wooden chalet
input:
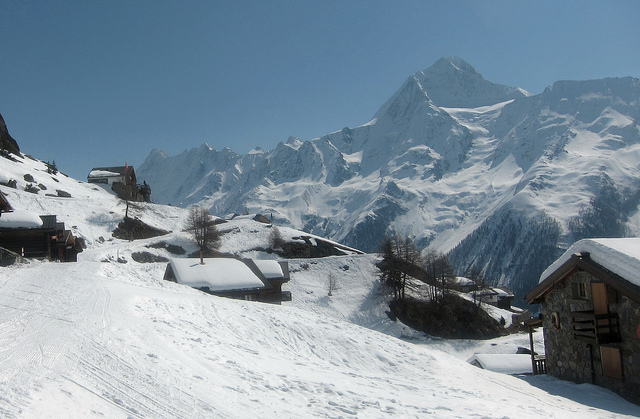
{"type": "Point", "coordinates": [590, 313]}
{"type": "Point", "coordinates": [24, 234]}
{"type": "Point", "coordinates": [247, 279]}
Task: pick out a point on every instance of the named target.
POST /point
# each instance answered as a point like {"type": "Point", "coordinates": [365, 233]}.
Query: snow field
{"type": "Point", "coordinates": [100, 338]}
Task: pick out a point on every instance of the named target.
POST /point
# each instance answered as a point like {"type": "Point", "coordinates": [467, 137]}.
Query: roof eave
{"type": "Point", "coordinates": [582, 262]}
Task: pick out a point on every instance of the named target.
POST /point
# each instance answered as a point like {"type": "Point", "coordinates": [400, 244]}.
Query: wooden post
{"type": "Point", "coordinates": [533, 360]}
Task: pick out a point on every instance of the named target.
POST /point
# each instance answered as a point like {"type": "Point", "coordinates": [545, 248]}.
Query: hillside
{"type": "Point", "coordinates": [457, 163]}
{"type": "Point", "coordinates": [102, 338]}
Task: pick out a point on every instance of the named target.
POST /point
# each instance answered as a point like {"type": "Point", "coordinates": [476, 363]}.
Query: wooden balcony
{"type": "Point", "coordinates": [595, 328]}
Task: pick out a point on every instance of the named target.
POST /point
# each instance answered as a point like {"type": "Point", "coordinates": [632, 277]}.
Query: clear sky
{"type": "Point", "coordinates": [100, 83]}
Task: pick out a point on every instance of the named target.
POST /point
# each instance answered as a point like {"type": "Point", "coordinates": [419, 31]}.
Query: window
{"type": "Point", "coordinates": [611, 362]}
{"type": "Point", "coordinates": [579, 290]}
{"type": "Point", "coordinates": [98, 180]}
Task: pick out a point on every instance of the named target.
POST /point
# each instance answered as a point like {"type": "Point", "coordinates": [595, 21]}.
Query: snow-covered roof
{"type": "Point", "coordinates": [502, 292]}
{"type": "Point", "coordinates": [269, 268]}
{"type": "Point", "coordinates": [102, 173]}
{"type": "Point", "coordinates": [20, 219]}
{"type": "Point", "coordinates": [462, 281]}
{"type": "Point", "coordinates": [217, 274]}
{"type": "Point", "coordinates": [620, 256]}
{"type": "Point", "coordinates": [503, 363]}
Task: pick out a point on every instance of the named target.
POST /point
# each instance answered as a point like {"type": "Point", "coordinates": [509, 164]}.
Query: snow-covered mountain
{"type": "Point", "coordinates": [108, 337]}
{"type": "Point", "coordinates": [499, 177]}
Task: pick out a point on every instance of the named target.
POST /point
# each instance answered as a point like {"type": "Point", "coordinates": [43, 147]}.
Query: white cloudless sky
{"type": "Point", "coordinates": [93, 83]}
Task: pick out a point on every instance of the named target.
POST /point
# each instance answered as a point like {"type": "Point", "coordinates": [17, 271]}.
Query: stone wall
{"type": "Point", "coordinates": [571, 359]}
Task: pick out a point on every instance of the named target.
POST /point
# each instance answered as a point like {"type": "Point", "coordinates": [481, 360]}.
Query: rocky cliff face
{"type": "Point", "coordinates": [6, 141]}
{"type": "Point", "coordinates": [451, 160]}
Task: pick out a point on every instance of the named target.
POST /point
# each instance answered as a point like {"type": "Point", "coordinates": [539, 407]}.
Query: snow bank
{"type": "Point", "coordinates": [512, 364]}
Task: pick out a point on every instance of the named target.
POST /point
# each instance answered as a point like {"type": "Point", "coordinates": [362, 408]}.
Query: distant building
{"type": "Point", "coordinates": [500, 297]}
{"type": "Point", "coordinates": [464, 285]}
{"type": "Point", "coordinates": [247, 279]}
{"type": "Point", "coordinates": [120, 180]}
{"type": "Point", "coordinates": [590, 300]}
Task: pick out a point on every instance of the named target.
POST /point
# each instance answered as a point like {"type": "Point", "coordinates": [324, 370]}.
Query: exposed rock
{"type": "Point", "coordinates": [6, 141]}
{"type": "Point", "coordinates": [134, 229]}
{"type": "Point", "coordinates": [146, 257]}
{"type": "Point", "coordinates": [451, 318]}
{"type": "Point", "coordinates": [63, 194]}
{"type": "Point", "coordinates": [171, 248]}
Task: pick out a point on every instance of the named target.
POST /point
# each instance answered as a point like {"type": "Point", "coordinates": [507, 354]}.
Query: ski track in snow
{"type": "Point", "coordinates": [78, 335]}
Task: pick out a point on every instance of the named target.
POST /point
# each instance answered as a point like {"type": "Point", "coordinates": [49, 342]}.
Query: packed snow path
{"type": "Point", "coordinates": [94, 339]}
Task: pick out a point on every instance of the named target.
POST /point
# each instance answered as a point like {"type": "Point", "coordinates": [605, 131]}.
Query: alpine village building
{"type": "Point", "coordinates": [590, 312]}
{"type": "Point", "coordinates": [120, 180]}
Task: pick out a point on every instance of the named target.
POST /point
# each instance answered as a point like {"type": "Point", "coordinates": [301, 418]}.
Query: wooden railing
{"type": "Point", "coordinates": [539, 364]}
{"type": "Point", "coordinates": [596, 328]}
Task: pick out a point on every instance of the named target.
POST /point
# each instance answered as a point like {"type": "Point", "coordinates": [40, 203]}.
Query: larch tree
{"type": "Point", "coordinates": [202, 226]}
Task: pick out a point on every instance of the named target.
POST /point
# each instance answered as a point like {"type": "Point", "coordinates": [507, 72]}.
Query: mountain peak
{"type": "Point", "coordinates": [452, 64]}
{"type": "Point", "coordinates": [453, 83]}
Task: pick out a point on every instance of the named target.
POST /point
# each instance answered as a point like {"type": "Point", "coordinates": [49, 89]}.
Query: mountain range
{"type": "Point", "coordinates": [499, 179]}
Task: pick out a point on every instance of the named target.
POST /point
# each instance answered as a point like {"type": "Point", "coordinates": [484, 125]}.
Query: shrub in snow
{"type": "Point", "coordinates": [52, 168]}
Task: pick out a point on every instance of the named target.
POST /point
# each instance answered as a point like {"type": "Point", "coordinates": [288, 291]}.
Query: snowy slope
{"type": "Point", "coordinates": [92, 345]}
{"type": "Point", "coordinates": [448, 155]}
{"type": "Point", "coordinates": [99, 338]}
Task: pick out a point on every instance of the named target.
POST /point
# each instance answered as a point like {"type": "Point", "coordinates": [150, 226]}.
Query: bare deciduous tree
{"type": "Point", "coordinates": [439, 273]}
{"type": "Point", "coordinates": [202, 226]}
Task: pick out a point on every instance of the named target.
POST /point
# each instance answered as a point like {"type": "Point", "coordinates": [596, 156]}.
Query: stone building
{"type": "Point", "coordinates": [590, 300]}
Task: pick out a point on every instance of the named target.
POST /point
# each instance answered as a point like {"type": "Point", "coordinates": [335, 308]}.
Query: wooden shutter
{"type": "Point", "coordinates": [599, 296]}
{"type": "Point", "coordinates": [611, 362]}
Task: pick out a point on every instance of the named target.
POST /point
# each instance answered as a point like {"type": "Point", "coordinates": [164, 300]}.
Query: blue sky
{"type": "Point", "coordinates": [100, 83]}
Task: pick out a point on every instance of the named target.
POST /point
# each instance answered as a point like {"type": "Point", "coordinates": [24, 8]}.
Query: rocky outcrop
{"type": "Point", "coordinates": [7, 143]}
{"type": "Point", "coordinates": [451, 318]}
